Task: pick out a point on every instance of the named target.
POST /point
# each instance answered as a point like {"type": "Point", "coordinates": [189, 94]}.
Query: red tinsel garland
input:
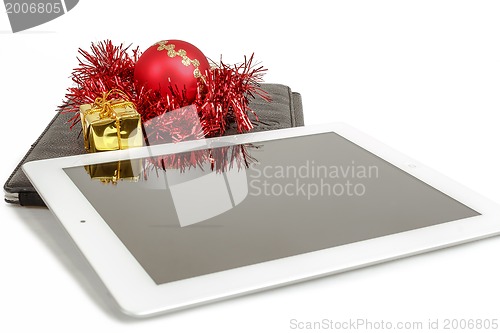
{"type": "Point", "coordinates": [104, 68]}
{"type": "Point", "coordinates": [222, 98]}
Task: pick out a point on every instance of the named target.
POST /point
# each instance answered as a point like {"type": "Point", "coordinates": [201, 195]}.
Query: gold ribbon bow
{"type": "Point", "coordinates": [106, 105]}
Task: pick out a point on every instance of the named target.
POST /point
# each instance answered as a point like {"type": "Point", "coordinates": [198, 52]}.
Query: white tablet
{"type": "Point", "coordinates": [171, 226]}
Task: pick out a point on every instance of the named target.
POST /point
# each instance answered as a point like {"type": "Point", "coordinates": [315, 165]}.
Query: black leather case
{"type": "Point", "coordinates": [57, 140]}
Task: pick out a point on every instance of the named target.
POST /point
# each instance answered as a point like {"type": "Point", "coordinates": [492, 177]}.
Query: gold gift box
{"type": "Point", "coordinates": [121, 130]}
{"type": "Point", "coordinates": [113, 172]}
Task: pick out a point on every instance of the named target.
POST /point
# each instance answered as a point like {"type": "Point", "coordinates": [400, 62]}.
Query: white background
{"type": "Point", "coordinates": [421, 76]}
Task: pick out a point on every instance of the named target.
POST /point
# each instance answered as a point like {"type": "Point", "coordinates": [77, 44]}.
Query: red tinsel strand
{"type": "Point", "coordinates": [105, 67]}
{"type": "Point", "coordinates": [222, 99]}
{"type": "Point", "coordinates": [227, 90]}
{"type": "Point", "coordinates": [164, 127]}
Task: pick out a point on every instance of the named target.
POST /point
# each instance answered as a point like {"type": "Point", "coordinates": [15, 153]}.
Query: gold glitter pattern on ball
{"type": "Point", "coordinates": [186, 61]}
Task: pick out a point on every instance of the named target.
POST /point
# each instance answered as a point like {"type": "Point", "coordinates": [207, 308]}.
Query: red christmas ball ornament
{"type": "Point", "coordinates": [171, 62]}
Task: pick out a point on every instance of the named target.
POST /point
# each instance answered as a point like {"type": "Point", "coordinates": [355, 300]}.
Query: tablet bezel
{"type": "Point", "coordinates": [137, 295]}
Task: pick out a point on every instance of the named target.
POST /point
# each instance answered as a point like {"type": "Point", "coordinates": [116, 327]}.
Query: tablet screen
{"type": "Point", "coordinates": [288, 196]}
